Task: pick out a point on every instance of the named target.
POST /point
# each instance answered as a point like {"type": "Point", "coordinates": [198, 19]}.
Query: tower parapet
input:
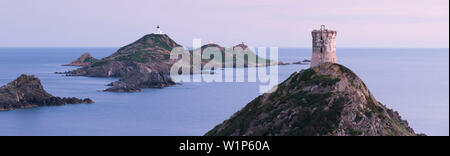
{"type": "Point", "coordinates": [324, 46]}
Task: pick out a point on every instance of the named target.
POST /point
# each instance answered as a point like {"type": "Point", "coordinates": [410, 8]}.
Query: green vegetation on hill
{"type": "Point", "coordinates": [90, 60]}
{"type": "Point", "coordinates": [99, 63]}
{"type": "Point", "coordinates": [326, 100]}
{"type": "Point", "coordinates": [314, 117]}
{"type": "Point", "coordinates": [136, 57]}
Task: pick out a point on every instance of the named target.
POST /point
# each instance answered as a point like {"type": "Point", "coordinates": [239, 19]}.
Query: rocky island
{"type": "Point", "coordinates": [84, 60]}
{"type": "Point", "coordinates": [325, 100]}
{"type": "Point", "coordinates": [144, 63]}
{"type": "Point", "coordinates": [27, 92]}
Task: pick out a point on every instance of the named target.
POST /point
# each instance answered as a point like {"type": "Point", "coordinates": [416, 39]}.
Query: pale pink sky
{"type": "Point", "coordinates": [281, 23]}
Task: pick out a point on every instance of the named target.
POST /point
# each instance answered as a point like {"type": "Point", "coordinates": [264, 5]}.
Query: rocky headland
{"type": "Point", "coordinates": [27, 92]}
{"type": "Point", "coordinates": [327, 100]}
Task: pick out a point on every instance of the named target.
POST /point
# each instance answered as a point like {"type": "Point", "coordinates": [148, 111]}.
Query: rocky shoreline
{"type": "Point", "coordinates": [28, 92]}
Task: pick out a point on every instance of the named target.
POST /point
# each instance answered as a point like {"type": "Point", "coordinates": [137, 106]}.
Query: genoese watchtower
{"type": "Point", "coordinates": [324, 46]}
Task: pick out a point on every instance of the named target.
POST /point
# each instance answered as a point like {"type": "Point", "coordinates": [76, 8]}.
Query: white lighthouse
{"type": "Point", "coordinates": [324, 46]}
{"type": "Point", "coordinates": [158, 30]}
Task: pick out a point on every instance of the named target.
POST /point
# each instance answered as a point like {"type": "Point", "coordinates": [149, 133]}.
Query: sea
{"type": "Point", "coordinates": [414, 82]}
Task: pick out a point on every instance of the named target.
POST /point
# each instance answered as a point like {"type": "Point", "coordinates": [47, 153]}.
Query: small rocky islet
{"type": "Point", "coordinates": [327, 100]}
{"type": "Point", "coordinates": [84, 60]}
{"type": "Point", "coordinates": [27, 92]}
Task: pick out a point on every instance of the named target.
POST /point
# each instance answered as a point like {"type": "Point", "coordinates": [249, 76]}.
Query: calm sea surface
{"type": "Point", "coordinates": [415, 82]}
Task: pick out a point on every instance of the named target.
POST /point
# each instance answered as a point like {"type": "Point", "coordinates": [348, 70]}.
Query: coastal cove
{"type": "Point", "coordinates": [407, 80]}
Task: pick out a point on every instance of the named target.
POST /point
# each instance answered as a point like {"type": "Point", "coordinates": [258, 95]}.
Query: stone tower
{"type": "Point", "coordinates": [324, 46]}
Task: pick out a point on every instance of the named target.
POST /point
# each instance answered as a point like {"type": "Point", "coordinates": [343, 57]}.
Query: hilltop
{"type": "Point", "coordinates": [327, 100]}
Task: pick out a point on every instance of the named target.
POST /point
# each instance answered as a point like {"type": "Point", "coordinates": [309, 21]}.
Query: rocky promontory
{"type": "Point", "coordinates": [27, 92]}
{"type": "Point", "coordinates": [327, 100]}
{"type": "Point", "coordinates": [84, 60]}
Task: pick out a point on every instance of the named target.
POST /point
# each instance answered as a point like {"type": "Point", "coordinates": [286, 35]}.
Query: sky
{"type": "Point", "coordinates": [269, 23]}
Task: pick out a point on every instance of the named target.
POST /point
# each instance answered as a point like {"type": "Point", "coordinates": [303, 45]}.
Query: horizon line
{"type": "Point", "coordinates": [4, 47]}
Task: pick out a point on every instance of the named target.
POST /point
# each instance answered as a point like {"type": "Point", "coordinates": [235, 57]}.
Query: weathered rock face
{"type": "Point", "coordinates": [84, 60]}
{"type": "Point", "coordinates": [142, 76]}
{"type": "Point", "coordinates": [328, 99]}
{"type": "Point", "coordinates": [27, 91]}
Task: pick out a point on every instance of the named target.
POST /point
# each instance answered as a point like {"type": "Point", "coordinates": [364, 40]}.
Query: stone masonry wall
{"type": "Point", "coordinates": [324, 47]}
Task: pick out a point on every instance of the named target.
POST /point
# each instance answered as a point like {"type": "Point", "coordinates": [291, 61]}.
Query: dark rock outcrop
{"type": "Point", "coordinates": [300, 62]}
{"type": "Point", "coordinates": [27, 92]}
{"type": "Point", "coordinates": [280, 63]}
{"type": "Point", "coordinates": [327, 100]}
{"type": "Point", "coordinates": [84, 60]}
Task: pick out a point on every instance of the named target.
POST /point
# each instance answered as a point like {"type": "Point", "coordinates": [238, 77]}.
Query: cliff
{"type": "Point", "coordinates": [84, 60]}
{"type": "Point", "coordinates": [327, 100]}
{"type": "Point", "coordinates": [27, 92]}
